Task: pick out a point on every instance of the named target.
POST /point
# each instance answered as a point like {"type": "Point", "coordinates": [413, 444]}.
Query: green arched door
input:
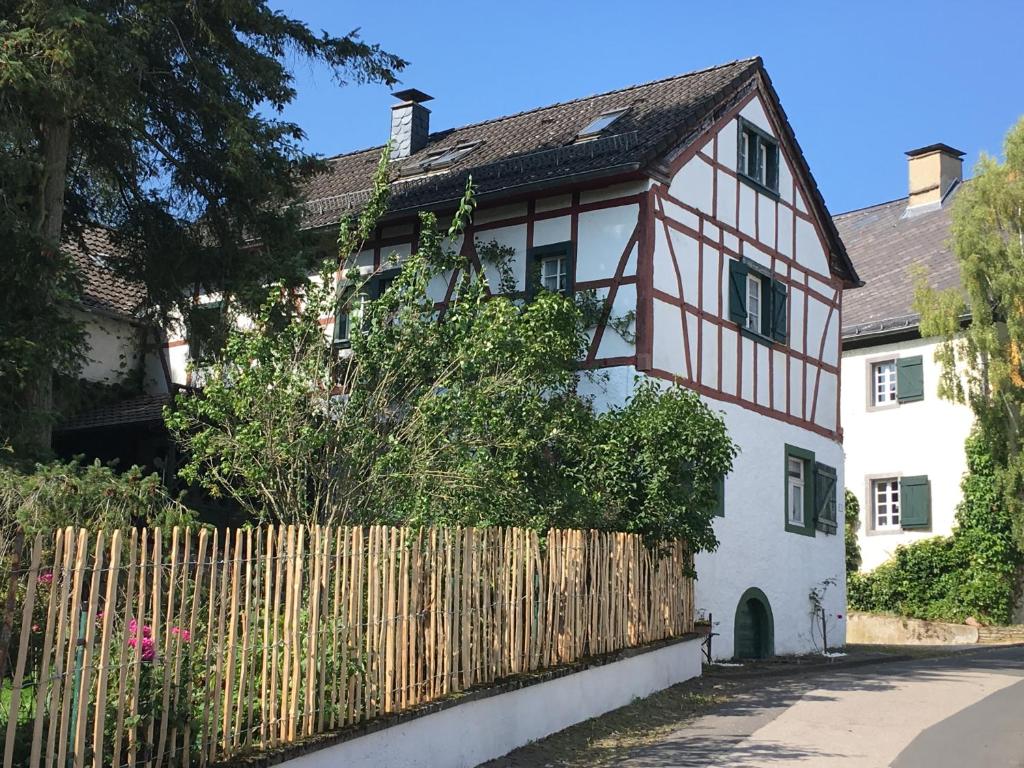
{"type": "Point", "coordinates": [754, 626]}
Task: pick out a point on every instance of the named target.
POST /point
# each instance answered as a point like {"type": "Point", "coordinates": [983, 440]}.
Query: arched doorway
{"type": "Point", "coordinates": [754, 626]}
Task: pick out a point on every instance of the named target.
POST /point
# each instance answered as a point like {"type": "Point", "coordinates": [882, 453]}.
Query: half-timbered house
{"type": "Point", "coordinates": [687, 206]}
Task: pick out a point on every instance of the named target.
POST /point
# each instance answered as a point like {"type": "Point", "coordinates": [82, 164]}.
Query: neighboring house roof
{"type": "Point", "coordinates": [885, 244]}
{"type": "Point", "coordinates": [136, 410]}
{"type": "Point", "coordinates": [102, 289]}
{"type": "Point", "coordinates": [538, 148]}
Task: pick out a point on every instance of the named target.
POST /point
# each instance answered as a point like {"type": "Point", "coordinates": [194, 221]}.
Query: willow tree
{"type": "Point", "coordinates": [982, 323]}
{"type": "Point", "coordinates": [160, 119]}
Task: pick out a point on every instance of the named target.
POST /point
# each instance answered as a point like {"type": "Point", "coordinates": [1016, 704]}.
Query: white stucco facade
{"type": "Point", "coordinates": [925, 437]}
{"type": "Point", "coordinates": [755, 549]}
{"type": "Point", "coordinates": [115, 348]}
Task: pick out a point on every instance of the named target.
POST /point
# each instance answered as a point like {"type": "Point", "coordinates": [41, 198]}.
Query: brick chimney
{"type": "Point", "coordinates": [932, 171]}
{"type": "Point", "coordinates": [410, 123]}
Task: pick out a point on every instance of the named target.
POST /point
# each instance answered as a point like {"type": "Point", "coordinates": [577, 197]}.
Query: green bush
{"type": "Point", "coordinates": [948, 578]}
{"type": "Point", "coordinates": [852, 507]}
{"type": "Point", "coordinates": [74, 493]}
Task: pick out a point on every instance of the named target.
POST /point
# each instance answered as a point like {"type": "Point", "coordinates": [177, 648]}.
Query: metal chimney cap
{"type": "Point", "coordinates": [412, 94]}
{"type": "Point", "coordinates": [944, 148]}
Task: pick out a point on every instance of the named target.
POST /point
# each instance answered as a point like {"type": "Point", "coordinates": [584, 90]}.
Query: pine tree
{"type": "Point", "coordinates": [160, 119]}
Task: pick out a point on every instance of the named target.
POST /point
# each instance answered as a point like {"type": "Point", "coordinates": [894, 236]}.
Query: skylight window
{"type": "Point", "coordinates": [447, 157]}
{"type": "Point", "coordinates": [600, 123]}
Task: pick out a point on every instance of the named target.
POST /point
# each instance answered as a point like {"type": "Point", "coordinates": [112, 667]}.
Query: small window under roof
{"type": "Point", "coordinates": [447, 157]}
{"type": "Point", "coordinates": [601, 122]}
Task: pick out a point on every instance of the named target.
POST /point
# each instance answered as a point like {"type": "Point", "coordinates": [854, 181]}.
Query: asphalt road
{"type": "Point", "coordinates": [961, 710]}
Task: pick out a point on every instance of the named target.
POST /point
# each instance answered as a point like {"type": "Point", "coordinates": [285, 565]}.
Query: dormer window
{"type": "Point", "coordinates": [601, 123]}
{"type": "Point", "coordinates": [446, 157]}
{"type": "Point", "coordinates": [758, 156]}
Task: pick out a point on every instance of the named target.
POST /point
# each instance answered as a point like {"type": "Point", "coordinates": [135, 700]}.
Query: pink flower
{"type": "Point", "coordinates": [133, 628]}
{"type": "Point", "coordinates": [148, 648]}
{"type": "Point", "coordinates": [46, 577]}
{"type": "Point", "coordinates": [183, 634]}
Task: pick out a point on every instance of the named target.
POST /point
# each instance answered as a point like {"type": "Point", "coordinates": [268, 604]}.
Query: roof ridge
{"type": "Point", "coordinates": [868, 207]}
{"type": "Point", "coordinates": [704, 70]}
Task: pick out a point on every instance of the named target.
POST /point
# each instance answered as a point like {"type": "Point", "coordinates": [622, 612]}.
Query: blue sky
{"type": "Point", "coordinates": [861, 81]}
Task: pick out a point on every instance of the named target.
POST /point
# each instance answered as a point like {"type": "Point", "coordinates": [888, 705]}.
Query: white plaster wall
{"type": "Point", "coordinates": [466, 735]}
{"type": "Point", "coordinates": [603, 235]}
{"type": "Point", "coordinates": [755, 549]}
{"type": "Point", "coordinates": [112, 347]}
{"type": "Point", "coordinates": [612, 191]}
{"type": "Point", "coordinates": [922, 438]}
{"type": "Point", "coordinates": [608, 387]}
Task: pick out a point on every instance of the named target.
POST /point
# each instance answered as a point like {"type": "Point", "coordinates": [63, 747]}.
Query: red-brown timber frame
{"type": "Point", "coordinates": [785, 268]}
{"type": "Point", "coordinates": [653, 212]}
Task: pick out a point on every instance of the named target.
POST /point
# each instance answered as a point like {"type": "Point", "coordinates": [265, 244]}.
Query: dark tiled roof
{"type": "Point", "coordinates": [101, 289]}
{"type": "Point", "coordinates": [137, 410]}
{"type": "Point", "coordinates": [884, 244]}
{"type": "Point", "coordinates": [536, 146]}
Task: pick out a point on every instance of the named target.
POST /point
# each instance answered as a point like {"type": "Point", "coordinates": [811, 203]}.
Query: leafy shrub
{"type": "Point", "coordinates": [74, 493]}
{"type": "Point", "coordinates": [948, 578]}
{"type": "Point", "coordinates": [852, 507]}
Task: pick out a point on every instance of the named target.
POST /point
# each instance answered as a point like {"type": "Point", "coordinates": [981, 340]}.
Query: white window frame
{"type": "Point", "coordinates": [885, 494]}
{"type": "Point", "coordinates": [560, 274]}
{"type": "Point", "coordinates": [883, 383]}
{"type": "Point", "coordinates": [755, 319]}
{"type": "Point", "coordinates": [796, 485]}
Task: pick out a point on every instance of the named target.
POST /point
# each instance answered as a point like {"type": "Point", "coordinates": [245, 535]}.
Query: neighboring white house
{"type": "Point", "coordinates": [687, 204]}
{"type": "Point", "coordinates": [122, 420]}
{"type": "Point", "coordinates": [904, 445]}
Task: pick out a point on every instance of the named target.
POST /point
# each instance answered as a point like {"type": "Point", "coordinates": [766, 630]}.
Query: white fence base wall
{"type": "Point", "coordinates": [465, 735]}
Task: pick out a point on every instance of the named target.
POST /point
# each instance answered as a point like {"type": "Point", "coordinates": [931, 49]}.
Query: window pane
{"type": "Point", "coordinates": [884, 381]}
{"type": "Point", "coordinates": [754, 302]}
{"type": "Point", "coordinates": [886, 503]}
{"type": "Point", "coordinates": [554, 273]}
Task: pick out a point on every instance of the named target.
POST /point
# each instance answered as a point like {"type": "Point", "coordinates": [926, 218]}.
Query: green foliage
{"type": "Point", "coordinates": [160, 119]}
{"type": "Point", "coordinates": [73, 493]}
{"type": "Point", "coordinates": [654, 463]}
{"type": "Point", "coordinates": [852, 507]}
{"type": "Point", "coordinates": [948, 578]}
{"type": "Point", "coordinates": [470, 418]}
{"type": "Point", "coordinates": [982, 362]}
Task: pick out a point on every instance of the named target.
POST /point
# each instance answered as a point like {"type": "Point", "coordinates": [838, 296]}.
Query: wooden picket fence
{"type": "Point", "coordinates": [141, 648]}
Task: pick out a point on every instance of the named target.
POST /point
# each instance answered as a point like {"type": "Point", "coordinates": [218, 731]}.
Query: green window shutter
{"type": "Point", "coordinates": [718, 508]}
{"type": "Point", "coordinates": [779, 327]}
{"type": "Point", "coordinates": [340, 326]}
{"type": "Point", "coordinates": [909, 379]}
{"type": "Point", "coordinates": [738, 292]}
{"type": "Point", "coordinates": [825, 497]}
{"type": "Point", "coordinates": [915, 502]}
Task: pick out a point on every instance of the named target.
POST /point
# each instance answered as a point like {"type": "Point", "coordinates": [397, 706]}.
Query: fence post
{"type": "Point", "coordinates": [10, 603]}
